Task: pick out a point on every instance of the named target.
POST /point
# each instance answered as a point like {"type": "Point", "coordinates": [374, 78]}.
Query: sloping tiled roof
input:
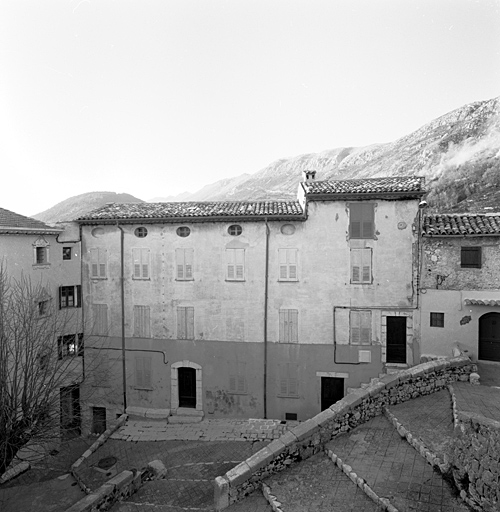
{"type": "Point", "coordinates": [481, 302]}
{"type": "Point", "coordinates": [195, 211]}
{"type": "Point", "coordinates": [406, 186]}
{"type": "Point", "coordinates": [11, 222]}
{"type": "Point", "coordinates": [461, 224]}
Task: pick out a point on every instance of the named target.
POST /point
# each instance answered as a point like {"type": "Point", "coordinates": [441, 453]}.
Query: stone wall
{"type": "Point", "coordinates": [475, 460]}
{"type": "Point", "coordinates": [356, 408]}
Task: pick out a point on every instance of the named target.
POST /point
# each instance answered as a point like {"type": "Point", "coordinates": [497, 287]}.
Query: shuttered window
{"type": "Point", "coordinates": [471, 257]}
{"type": "Point", "coordinates": [361, 265]}
{"type": "Point", "coordinates": [289, 326]}
{"type": "Point", "coordinates": [237, 377]}
{"type": "Point", "coordinates": [437, 320]}
{"type": "Point", "coordinates": [235, 259]}
{"type": "Point", "coordinates": [288, 385]}
{"type": "Point", "coordinates": [70, 296]}
{"type": "Point", "coordinates": [98, 263]}
{"type": "Point", "coordinates": [185, 323]}
{"type": "Point", "coordinates": [140, 261]}
{"type": "Point", "coordinates": [143, 372]}
{"type": "Point", "coordinates": [184, 264]}
{"type": "Point", "coordinates": [361, 220]}
{"type": "Point", "coordinates": [287, 264]}
{"type": "Point", "coordinates": [361, 327]}
{"type": "Point", "coordinates": [100, 319]}
{"type": "Point", "coordinates": [142, 322]}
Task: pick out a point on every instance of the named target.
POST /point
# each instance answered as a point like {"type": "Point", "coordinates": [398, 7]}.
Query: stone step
{"type": "Point", "coordinates": [184, 419]}
{"type": "Point", "coordinates": [150, 414]}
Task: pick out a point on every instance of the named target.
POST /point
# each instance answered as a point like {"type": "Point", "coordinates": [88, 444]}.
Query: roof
{"type": "Point", "coordinates": [403, 187]}
{"type": "Point", "coordinates": [461, 224]}
{"type": "Point", "coordinates": [13, 223]}
{"type": "Point", "coordinates": [482, 302]}
{"type": "Point", "coordinates": [194, 211]}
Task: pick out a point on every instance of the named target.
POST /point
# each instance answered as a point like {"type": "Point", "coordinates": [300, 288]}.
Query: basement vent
{"type": "Point", "coordinates": [291, 416]}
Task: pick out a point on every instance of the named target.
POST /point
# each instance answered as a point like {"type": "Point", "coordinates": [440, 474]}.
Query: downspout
{"type": "Point", "coordinates": [266, 287]}
{"type": "Point", "coordinates": [122, 297]}
{"type": "Point", "coordinates": [81, 295]}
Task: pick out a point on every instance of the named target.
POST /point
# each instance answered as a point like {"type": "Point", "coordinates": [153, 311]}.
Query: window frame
{"type": "Point", "coordinates": [143, 374]}
{"type": "Point", "coordinates": [98, 263]}
{"type": "Point", "coordinates": [362, 213]}
{"type": "Point", "coordinates": [288, 380]}
{"type": "Point", "coordinates": [288, 265]}
{"type": "Point", "coordinates": [185, 322]}
{"type": "Point", "coordinates": [288, 330]}
{"type": "Point", "coordinates": [365, 253]}
{"type": "Point", "coordinates": [363, 319]}
{"type": "Point", "coordinates": [235, 264]}
{"type": "Point", "coordinates": [44, 251]}
{"type": "Point", "coordinates": [67, 253]}
{"type": "Point", "coordinates": [475, 253]}
{"type": "Point", "coordinates": [436, 319]}
{"type": "Point", "coordinates": [64, 342]}
{"type": "Point", "coordinates": [183, 231]}
{"type": "Point", "coordinates": [142, 321]}
{"type": "Point", "coordinates": [141, 264]}
{"type": "Point", "coordinates": [141, 232]}
{"type": "Point", "coordinates": [76, 296]}
{"type": "Point", "coordinates": [235, 230]}
{"type": "Point", "coordinates": [184, 261]}
{"type": "Point", "coordinates": [100, 318]}
{"type": "Point", "coordinates": [238, 382]}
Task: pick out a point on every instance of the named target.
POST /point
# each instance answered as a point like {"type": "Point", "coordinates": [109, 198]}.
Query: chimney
{"type": "Point", "coordinates": [309, 175]}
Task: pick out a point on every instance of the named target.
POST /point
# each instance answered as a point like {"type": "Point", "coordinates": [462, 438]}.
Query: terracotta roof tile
{"type": "Point", "coordinates": [10, 221]}
{"type": "Point", "coordinates": [413, 185]}
{"type": "Point", "coordinates": [461, 224]}
{"type": "Point", "coordinates": [194, 210]}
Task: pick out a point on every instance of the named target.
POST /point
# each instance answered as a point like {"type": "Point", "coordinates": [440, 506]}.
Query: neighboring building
{"type": "Point", "coordinates": [252, 309]}
{"type": "Point", "coordinates": [460, 284]}
{"type": "Point", "coordinates": [49, 258]}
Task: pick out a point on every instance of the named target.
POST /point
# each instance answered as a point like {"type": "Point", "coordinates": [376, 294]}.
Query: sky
{"type": "Point", "coordinates": [157, 97]}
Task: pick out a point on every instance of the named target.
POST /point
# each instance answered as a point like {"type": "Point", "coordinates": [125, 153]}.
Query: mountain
{"type": "Point", "coordinates": [458, 153]}
{"type": "Point", "coordinates": [77, 206]}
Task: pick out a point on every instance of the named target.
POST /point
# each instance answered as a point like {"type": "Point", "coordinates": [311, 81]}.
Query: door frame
{"type": "Point", "coordinates": [491, 314]}
{"type": "Point", "coordinates": [409, 336]}
{"type": "Point", "coordinates": [174, 384]}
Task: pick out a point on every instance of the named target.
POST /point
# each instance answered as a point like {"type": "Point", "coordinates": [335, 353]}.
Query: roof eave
{"type": "Point", "coordinates": [365, 195]}
{"type": "Point", "coordinates": [459, 235]}
{"type": "Point", "coordinates": [28, 231]}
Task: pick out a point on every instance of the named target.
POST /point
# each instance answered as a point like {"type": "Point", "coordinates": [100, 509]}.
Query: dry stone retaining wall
{"type": "Point", "coordinates": [356, 408]}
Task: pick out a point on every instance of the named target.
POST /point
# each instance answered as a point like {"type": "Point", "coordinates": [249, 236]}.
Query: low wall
{"type": "Point", "coordinates": [475, 461]}
{"type": "Point", "coordinates": [358, 407]}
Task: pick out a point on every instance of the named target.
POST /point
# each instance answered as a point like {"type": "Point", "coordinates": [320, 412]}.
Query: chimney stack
{"type": "Point", "coordinates": [309, 175]}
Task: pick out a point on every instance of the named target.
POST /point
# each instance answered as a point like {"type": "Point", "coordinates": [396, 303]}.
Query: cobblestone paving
{"type": "Point", "coordinates": [481, 400]}
{"type": "Point", "coordinates": [394, 469]}
{"type": "Point", "coordinates": [318, 485]}
{"type": "Point", "coordinates": [430, 417]}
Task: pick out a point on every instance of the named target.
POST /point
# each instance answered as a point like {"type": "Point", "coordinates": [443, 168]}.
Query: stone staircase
{"type": "Point", "coordinates": [390, 369]}
{"type": "Point", "coordinates": [395, 462]}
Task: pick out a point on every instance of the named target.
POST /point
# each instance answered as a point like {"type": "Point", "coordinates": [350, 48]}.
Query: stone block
{"type": "Point", "coordinates": [288, 438]}
{"type": "Point", "coordinates": [324, 417]}
{"type": "Point", "coordinates": [121, 479]}
{"type": "Point", "coordinates": [376, 388]}
{"type": "Point", "coordinates": [277, 447]}
{"type": "Point", "coordinates": [158, 468]}
{"type": "Point", "coordinates": [86, 504]}
{"type": "Point", "coordinates": [260, 459]}
{"type": "Point", "coordinates": [221, 493]}
{"type": "Point", "coordinates": [239, 474]}
{"type": "Point", "coordinates": [305, 430]}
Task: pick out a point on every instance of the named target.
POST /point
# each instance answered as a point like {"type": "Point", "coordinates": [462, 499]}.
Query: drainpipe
{"type": "Point", "coordinates": [266, 287]}
{"type": "Point", "coordinates": [122, 296]}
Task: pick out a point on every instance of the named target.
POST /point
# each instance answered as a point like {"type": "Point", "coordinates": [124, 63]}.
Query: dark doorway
{"type": "Point", "coordinates": [489, 337]}
{"type": "Point", "coordinates": [98, 420]}
{"type": "Point", "coordinates": [187, 387]}
{"type": "Point", "coordinates": [332, 390]}
{"type": "Point", "coordinates": [70, 410]}
{"type": "Point", "coordinates": [396, 339]}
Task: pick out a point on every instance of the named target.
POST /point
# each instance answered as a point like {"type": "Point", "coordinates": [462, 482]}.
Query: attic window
{"type": "Point", "coordinates": [141, 232]}
{"type": "Point", "coordinates": [97, 232]}
{"type": "Point", "coordinates": [183, 231]}
{"type": "Point", "coordinates": [288, 229]}
{"type": "Point", "coordinates": [235, 230]}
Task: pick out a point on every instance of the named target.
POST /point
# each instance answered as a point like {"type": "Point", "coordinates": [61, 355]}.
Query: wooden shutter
{"type": "Point", "coordinates": [356, 265]}
{"type": "Point", "coordinates": [190, 323]}
{"type": "Point", "coordinates": [142, 321]}
{"type": "Point", "coordinates": [361, 220]}
{"type": "Point", "coordinates": [366, 261]}
{"type": "Point", "coordinates": [366, 327]}
{"type": "Point", "coordinates": [288, 326]}
{"type": "Point", "coordinates": [240, 263]}
{"type": "Point", "coordinates": [292, 263]}
{"type": "Point", "coordinates": [287, 259]}
{"type": "Point", "coordinates": [182, 323]}
{"type": "Point", "coordinates": [94, 262]}
{"type": "Point", "coordinates": [282, 264]}
{"type": "Point", "coordinates": [293, 379]}
{"type": "Point", "coordinates": [145, 263]}
{"type": "Point", "coordinates": [103, 260]}
{"type": "Point", "coordinates": [361, 261]}
{"type": "Point", "coordinates": [143, 372]}
{"type": "Point", "coordinates": [231, 264]}
{"type": "Point", "coordinates": [78, 296]}
{"type": "Point", "coordinates": [188, 263]}
{"type": "Point", "coordinates": [355, 328]}
{"type": "Point", "coordinates": [179, 262]}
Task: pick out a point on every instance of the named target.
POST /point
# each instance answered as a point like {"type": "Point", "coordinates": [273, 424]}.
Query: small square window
{"type": "Point", "coordinates": [66, 253]}
{"type": "Point", "coordinates": [437, 319]}
{"type": "Point", "coordinates": [470, 257]}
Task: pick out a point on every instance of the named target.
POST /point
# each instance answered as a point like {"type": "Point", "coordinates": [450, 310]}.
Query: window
{"type": "Point", "coordinates": [287, 264]}
{"type": "Point", "coordinates": [185, 323]}
{"type": "Point", "coordinates": [100, 315]}
{"type": "Point", "coordinates": [289, 323]}
{"type": "Point", "coordinates": [361, 265]}
{"type": "Point", "coordinates": [361, 220]}
{"type": "Point", "coordinates": [41, 255]}
{"type": "Point", "coordinates": [141, 232]}
{"type": "Point", "coordinates": [183, 231]}
{"type": "Point", "coordinates": [97, 232]}
{"type": "Point", "coordinates": [140, 258]}
{"type": "Point", "coordinates": [43, 307]}
{"type": "Point", "coordinates": [98, 263]}
{"type": "Point", "coordinates": [235, 230]}
{"type": "Point", "coordinates": [437, 320]}
{"type": "Point", "coordinates": [288, 385]}
{"type": "Point", "coordinates": [66, 253]}
{"type": "Point", "coordinates": [361, 327]}
{"type": "Point", "coordinates": [287, 229]}
{"type": "Point", "coordinates": [70, 296]}
{"type": "Point", "coordinates": [143, 372]}
{"type": "Point", "coordinates": [471, 257]}
{"type": "Point", "coordinates": [237, 377]}
{"type": "Point", "coordinates": [70, 345]}
{"type": "Point", "coordinates": [142, 322]}
{"type": "Point", "coordinates": [235, 264]}
{"type": "Point", "coordinates": [184, 264]}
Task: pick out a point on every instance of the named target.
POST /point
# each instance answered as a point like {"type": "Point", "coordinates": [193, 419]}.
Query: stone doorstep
{"type": "Point", "coordinates": [184, 419]}
{"type": "Point", "coordinates": [185, 415]}
{"type": "Point", "coordinates": [151, 414]}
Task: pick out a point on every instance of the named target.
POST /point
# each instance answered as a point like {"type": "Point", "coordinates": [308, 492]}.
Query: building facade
{"type": "Point", "coordinates": [252, 309]}
{"type": "Point", "coordinates": [460, 280]}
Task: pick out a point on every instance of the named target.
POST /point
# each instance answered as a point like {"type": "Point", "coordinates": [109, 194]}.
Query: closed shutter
{"type": "Point", "coordinates": [143, 376]}
{"type": "Point", "coordinates": [288, 325]}
{"type": "Point", "coordinates": [94, 262]}
{"type": "Point", "coordinates": [103, 260]}
{"type": "Point", "coordinates": [190, 323]}
{"type": "Point", "coordinates": [361, 220]}
{"type": "Point", "coordinates": [184, 264]}
{"type": "Point", "coordinates": [181, 323]}
{"type": "Point", "coordinates": [355, 328]}
{"type": "Point", "coordinates": [361, 327]}
{"type": "Point", "coordinates": [287, 264]}
{"type": "Point", "coordinates": [142, 322]}
{"type": "Point", "coordinates": [235, 264]}
{"type": "Point", "coordinates": [188, 263]}
{"type": "Point", "coordinates": [361, 265]}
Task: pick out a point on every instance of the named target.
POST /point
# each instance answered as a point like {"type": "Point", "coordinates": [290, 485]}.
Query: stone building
{"type": "Point", "coordinates": [460, 281]}
{"type": "Point", "coordinates": [252, 309]}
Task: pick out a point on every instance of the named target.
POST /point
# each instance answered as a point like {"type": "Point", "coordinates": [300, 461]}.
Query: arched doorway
{"type": "Point", "coordinates": [489, 337]}
{"type": "Point", "coordinates": [186, 386]}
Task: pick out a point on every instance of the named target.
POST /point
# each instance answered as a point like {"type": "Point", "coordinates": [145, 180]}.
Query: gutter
{"type": "Point", "coordinates": [266, 290]}
{"type": "Point", "coordinates": [122, 297]}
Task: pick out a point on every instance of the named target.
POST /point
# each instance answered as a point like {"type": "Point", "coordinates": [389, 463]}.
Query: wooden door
{"type": "Point", "coordinates": [187, 387]}
{"type": "Point", "coordinates": [332, 390]}
{"type": "Point", "coordinates": [489, 337]}
{"type": "Point", "coordinates": [396, 339]}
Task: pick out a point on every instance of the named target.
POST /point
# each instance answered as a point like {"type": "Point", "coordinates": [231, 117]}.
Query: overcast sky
{"type": "Point", "coordinates": [155, 97]}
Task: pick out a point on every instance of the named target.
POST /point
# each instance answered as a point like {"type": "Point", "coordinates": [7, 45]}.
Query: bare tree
{"type": "Point", "coordinates": [37, 342]}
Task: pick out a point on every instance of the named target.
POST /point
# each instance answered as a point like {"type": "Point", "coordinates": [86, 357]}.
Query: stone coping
{"type": "Point", "coordinates": [354, 409]}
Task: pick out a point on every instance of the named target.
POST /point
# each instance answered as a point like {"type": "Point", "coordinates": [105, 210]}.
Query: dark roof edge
{"type": "Point", "coordinates": [186, 220]}
{"type": "Point", "coordinates": [365, 195]}
{"type": "Point", "coordinates": [457, 235]}
{"type": "Point", "coordinates": [28, 231]}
